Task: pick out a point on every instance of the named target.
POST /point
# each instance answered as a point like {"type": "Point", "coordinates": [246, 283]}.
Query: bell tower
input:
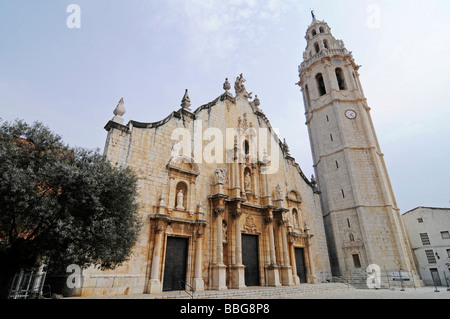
{"type": "Point", "coordinates": [361, 217]}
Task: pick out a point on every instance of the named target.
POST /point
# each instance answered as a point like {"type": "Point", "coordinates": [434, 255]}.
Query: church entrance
{"type": "Point", "coordinates": [175, 264]}
{"type": "Point", "coordinates": [250, 259]}
{"type": "Point", "coordinates": [300, 261]}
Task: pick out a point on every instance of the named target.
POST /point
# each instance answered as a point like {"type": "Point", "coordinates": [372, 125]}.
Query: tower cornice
{"type": "Point", "coordinates": [327, 54]}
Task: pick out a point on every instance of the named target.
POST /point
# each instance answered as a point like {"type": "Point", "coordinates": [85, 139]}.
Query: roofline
{"type": "Point", "coordinates": [183, 112]}
{"type": "Point", "coordinates": [427, 207]}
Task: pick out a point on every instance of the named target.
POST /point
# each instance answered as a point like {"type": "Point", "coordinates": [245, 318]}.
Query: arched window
{"type": "Point", "coordinates": [320, 84]}
{"type": "Point", "coordinates": [340, 79]}
{"type": "Point", "coordinates": [325, 44]}
{"type": "Point", "coordinates": [246, 147]}
{"type": "Point", "coordinates": [316, 47]}
{"type": "Point", "coordinates": [321, 30]}
{"type": "Point", "coordinates": [307, 97]}
{"type": "Point", "coordinates": [314, 33]}
{"type": "Point", "coordinates": [351, 237]}
{"type": "Point", "coordinates": [356, 81]}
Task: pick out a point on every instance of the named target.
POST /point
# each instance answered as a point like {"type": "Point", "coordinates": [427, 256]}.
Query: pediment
{"type": "Point", "coordinates": [183, 164]}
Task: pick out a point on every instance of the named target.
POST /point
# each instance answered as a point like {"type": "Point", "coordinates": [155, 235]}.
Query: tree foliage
{"type": "Point", "coordinates": [68, 205]}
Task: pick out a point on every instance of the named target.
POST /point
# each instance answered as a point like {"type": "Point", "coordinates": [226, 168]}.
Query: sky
{"type": "Point", "coordinates": [69, 71]}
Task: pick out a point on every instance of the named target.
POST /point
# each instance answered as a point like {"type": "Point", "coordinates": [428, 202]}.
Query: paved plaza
{"type": "Point", "coordinates": [408, 293]}
{"type": "Point", "coordinates": [320, 291]}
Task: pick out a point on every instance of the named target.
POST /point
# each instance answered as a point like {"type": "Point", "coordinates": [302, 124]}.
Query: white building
{"type": "Point", "coordinates": [429, 233]}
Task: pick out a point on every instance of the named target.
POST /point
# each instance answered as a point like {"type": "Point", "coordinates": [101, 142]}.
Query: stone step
{"type": "Point", "coordinates": [255, 292]}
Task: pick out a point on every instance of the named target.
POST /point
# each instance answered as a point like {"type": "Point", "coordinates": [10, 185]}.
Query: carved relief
{"type": "Point", "coordinates": [224, 231]}
{"type": "Point", "coordinates": [249, 225]}
{"type": "Point", "coordinates": [218, 211]}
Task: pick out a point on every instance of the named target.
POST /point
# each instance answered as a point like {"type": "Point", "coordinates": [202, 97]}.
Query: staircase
{"type": "Point", "coordinates": [254, 292]}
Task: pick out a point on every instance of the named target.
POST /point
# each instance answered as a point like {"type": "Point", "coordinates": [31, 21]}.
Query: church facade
{"type": "Point", "coordinates": [225, 206]}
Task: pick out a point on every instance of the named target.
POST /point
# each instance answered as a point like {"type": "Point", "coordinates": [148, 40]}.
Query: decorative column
{"type": "Point", "coordinates": [273, 277]}
{"type": "Point", "coordinates": [286, 269]}
{"type": "Point", "coordinates": [218, 269]}
{"type": "Point", "coordinates": [293, 262]}
{"type": "Point", "coordinates": [237, 269]}
{"type": "Point", "coordinates": [267, 199]}
{"type": "Point", "coordinates": [190, 206]}
{"type": "Point", "coordinates": [236, 191]}
{"type": "Point", "coordinates": [154, 285]}
{"type": "Point", "coordinates": [199, 284]}
{"type": "Point", "coordinates": [172, 192]}
{"type": "Point", "coordinates": [310, 271]}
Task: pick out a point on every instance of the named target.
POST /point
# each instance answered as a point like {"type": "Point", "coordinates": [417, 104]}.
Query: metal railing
{"type": "Point", "coordinates": [27, 285]}
{"type": "Point", "coordinates": [183, 286]}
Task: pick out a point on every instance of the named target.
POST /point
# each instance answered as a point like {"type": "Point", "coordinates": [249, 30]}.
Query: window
{"type": "Point", "coordinates": [314, 33]}
{"type": "Point", "coordinates": [343, 194]}
{"type": "Point", "coordinates": [351, 237]}
{"type": "Point", "coordinates": [340, 79]}
{"type": "Point", "coordinates": [448, 253]}
{"type": "Point", "coordinates": [328, 119]}
{"type": "Point", "coordinates": [425, 239]}
{"type": "Point", "coordinates": [445, 235]}
{"type": "Point", "coordinates": [331, 137]}
{"type": "Point", "coordinates": [308, 99]}
{"type": "Point", "coordinates": [320, 84]}
{"type": "Point", "coordinates": [430, 256]}
{"type": "Point", "coordinates": [356, 261]}
{"type": "Point", "coordinates": [316, 47]}
{"type": "Point", "coordinates": [337, 166]}
{"type": "Point", "coordinates": [321, 30]}
{"type": "Point", "coordinates": [348, 223]}
{"type": "Point", "coordinates": [420, 220]}
{"type": "Point", "coordinates": [325, 44]}
{"type": "Point", "coordinates": [246, 147]}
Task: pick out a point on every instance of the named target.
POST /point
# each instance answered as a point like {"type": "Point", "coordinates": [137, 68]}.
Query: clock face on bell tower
{"type": "Point", "coordinates": [350, 114]}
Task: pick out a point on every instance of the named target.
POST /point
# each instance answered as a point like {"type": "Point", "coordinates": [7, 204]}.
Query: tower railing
{"type": "Point", "coordinates": [321, 54]}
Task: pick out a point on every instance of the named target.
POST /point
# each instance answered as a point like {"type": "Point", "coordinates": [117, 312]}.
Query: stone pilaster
{"type": "Point", "coordinates": [272, 270]}
{"type": "Point", "coordinates": [237, 269]}
{"type": "Point", "coordinates": [154, 285]}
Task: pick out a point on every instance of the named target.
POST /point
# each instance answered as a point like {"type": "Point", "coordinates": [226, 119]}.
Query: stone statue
{"type": "Point", "coordinates": [248, 181]}
{"type": "Point", "coordinates": [240, 88]}
{"type": "Point", "coordinates": [278, 192]}
{"type": "Point", "coordinates": [220, 175]}
{"type": "Point", "coordinates": [180, 198]}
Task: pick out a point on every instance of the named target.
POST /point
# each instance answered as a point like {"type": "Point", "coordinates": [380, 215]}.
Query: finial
{"type": "Point", "coordinates": [257, 102]}
{"type": "Point", "coordinates": [119, 111]}
{"type": "Point", "coordinates": [226, 85]}
{"type": "Point", "coordinates": [286, 148]}
{"type": "Point", "coordinates": [313, 15]}
{"type": "Point", "coordinates": [186, 101]}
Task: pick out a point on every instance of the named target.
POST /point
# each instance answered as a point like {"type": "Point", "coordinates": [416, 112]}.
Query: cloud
{"type": "Point", "coordinates": [215, 30]}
